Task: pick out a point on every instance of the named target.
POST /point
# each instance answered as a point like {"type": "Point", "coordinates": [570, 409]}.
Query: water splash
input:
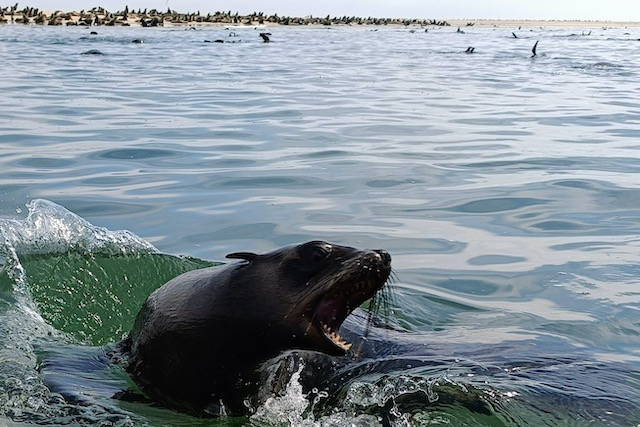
{"type": "Point", "coordinates": [50, 228]}
{"type": "Point", "coordinates": [85, 280]}
{"type": "Point", "coordinates": [295, 408]}
{"type": "Point", "coordinates": [64, 280]}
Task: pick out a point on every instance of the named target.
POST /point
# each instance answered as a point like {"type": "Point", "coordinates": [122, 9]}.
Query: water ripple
{"type": "Point", "coordinates": [506, 187]}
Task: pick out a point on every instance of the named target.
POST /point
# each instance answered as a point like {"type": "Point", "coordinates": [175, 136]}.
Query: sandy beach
{"type": "Point", "coordinates": [515, 23]}
{"type": "Point", "coordinates": [98, 16]}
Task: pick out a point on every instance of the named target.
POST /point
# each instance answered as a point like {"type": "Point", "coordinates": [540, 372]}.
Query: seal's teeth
{"type": "Point", "coordinates": [336, 338]}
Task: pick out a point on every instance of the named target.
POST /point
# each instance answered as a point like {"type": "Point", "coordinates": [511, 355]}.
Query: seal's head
{"type": "Point", "coordinates": [322, 283]}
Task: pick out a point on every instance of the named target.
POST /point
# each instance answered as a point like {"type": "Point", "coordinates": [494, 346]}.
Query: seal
{"type": "Point", "coordinates": [198, 340]}
{"type": "Point", "coordinates": [535, 46]}
{"type": "Point", "coordinates": [265, 37]}
{"type": "Point", "coordinates": [92, 52]}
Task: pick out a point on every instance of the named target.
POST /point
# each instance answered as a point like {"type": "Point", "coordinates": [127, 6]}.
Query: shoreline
{"type": "Point", "coordinates": [98, 16]}
{"type": "Point", "coordinates": [541, 23]}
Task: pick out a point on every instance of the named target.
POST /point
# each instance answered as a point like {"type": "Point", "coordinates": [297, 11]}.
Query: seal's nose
{"type": "Point", "coordinates": [384, 256]}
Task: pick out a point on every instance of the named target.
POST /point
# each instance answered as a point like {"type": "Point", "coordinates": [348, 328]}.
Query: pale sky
{"type": "Point", "coordinates": [612, 10]}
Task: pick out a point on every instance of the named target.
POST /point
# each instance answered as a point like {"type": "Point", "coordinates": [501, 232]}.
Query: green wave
{"type": "Point", "coordinates": [95, 298]}
{"type": "Point", "coordinates": [83, 280]}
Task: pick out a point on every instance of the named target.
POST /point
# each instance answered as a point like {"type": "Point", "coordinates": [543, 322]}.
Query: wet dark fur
{"type": "Point", "coordinates": [198, 340]}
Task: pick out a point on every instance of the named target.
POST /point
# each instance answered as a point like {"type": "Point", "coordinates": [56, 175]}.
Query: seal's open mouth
{"type": "Point", "coordinates": [364, 276]}
{"type": "Point", "coordinates": [334, 308]}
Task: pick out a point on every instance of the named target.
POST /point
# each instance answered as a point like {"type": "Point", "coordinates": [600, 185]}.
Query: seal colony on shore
{"type": "Point", "coordinates": [154, 18]}
{"type": "Point", "coordinates": [198, 340]}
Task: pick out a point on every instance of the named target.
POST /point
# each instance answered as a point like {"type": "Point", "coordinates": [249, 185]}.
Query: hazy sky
{"type": "Point", "coordinates": [618, 10]}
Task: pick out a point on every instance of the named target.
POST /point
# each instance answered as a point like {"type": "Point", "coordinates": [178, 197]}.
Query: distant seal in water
{"type": "Point", "coordinates": [92, 52]}
{"type": "Point", "coordinates": [535, 46]}
{"type": "Point", "coordinates": [198, 339]}
{"type": "Point", "coordinates": [265, 37]}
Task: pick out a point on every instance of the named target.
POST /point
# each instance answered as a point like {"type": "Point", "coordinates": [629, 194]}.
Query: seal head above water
{"type": "Point", "coordinates": [198, 339]}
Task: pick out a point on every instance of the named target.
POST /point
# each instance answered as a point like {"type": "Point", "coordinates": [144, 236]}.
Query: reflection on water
{"type": "Point", "coordinates": [505, 187]}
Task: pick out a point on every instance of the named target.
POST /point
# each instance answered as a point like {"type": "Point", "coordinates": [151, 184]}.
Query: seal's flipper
{"type": "Point", "coordinates": [249, 256]}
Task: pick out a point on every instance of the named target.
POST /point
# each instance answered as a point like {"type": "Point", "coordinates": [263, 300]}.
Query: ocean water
{"type": "Point", "coordinates": [506, 188]}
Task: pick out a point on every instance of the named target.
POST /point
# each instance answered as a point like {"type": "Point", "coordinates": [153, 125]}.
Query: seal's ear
{"type": "Point", "coordinates": [249, 256]}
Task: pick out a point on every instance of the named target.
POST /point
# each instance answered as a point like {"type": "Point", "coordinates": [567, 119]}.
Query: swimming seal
{"type": "Point", "coordinates": [198, 339]}
{"type": "Point", "coordinates": [265, 37]}
{"type": "Point", "coordinates": [535, 46]}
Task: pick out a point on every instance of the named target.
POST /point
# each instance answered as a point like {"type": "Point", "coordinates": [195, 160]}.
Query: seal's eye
{"type": "Point", "coordinates": [315, 252]}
